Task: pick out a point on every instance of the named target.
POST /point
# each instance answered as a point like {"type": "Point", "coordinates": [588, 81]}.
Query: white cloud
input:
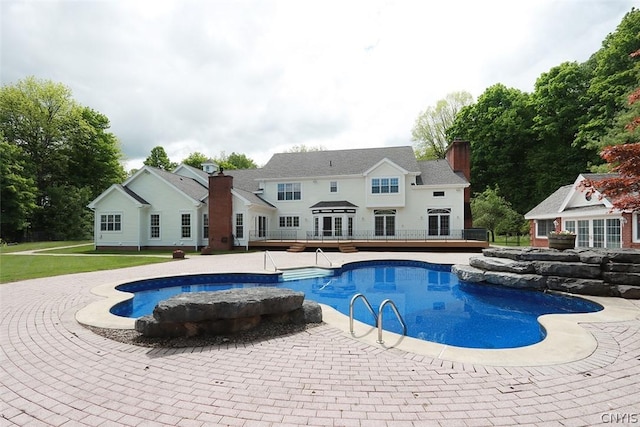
{"type": "Point", "coordinates": [257, 77]}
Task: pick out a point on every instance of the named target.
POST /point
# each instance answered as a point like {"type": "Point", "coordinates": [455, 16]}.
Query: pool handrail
{"type": "Point", "coordinates": [324, 255]}
{"type": "Point", "coordinates": [379, 322]}
{"type": "Point", "coordinates": [367, 304]}
{"type": "Point", "coordinates": [268, 255]}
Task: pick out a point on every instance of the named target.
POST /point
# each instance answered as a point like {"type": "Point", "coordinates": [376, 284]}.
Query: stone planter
{"type": "Point", "coordinates": [562, 241]}
{"type": "Point", "coordinates": [178, 254]}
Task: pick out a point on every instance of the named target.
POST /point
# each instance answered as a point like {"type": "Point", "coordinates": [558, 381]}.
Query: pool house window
{"type": "Point", "coordinates": [384, 185]}
{"type": "Point", "coordinates": [289, 191]}
{"type": "Point", "coordinates": [111, 222]}
{"type": "Point", "coordinates": [544, 227]}
{"type": "Point", "coordinates": [154, 226]}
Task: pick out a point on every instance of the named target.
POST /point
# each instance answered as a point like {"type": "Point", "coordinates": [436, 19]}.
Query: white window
{"type": "Point", "coordinates": [544, 227]}
{"type": "Point", "coordinates": [111, 222]}
{"type": "Point", "coordinates": [239, 226]}
{"type": "Point", "coordinates": [438, 194]}
{"type": "Point", "coordinates": [289, 191]}
{"type": "Point", "coordinates": [289, 221]}
{"type": "Point", "coordinates": [154, 226]}
{"type": "Point", "coordinates": [205, 226]}
{"type": "Point", "coordinates": [384, 185]}
{"type": "Point", "coordinates": [636, 227]}
{"type": "Point", "coordinates": [185, 226]}
{"type": "Point", "coordinates": [333, 187]}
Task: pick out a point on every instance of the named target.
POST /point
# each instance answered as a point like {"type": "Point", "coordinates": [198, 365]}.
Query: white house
{"type": "Point", "coordinates": [359, 194]}
{"type": "Point", "coordinates": [592, 218]}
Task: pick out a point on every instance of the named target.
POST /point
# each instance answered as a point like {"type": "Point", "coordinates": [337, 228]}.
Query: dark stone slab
{"type": "Point", "coordinates": [501, 264]}
{"type": "Point", "coordinates": [568, 269]}
{"type": "Point", "coordinates": [580, 286]}
{"type": "Point", "coordinates": [466, 273]}
{"type": "Point", "coordinates": [227, 304]}
{"type": "Point", "coordinates": [514, 280]}
{"type": "Point", "coordinates": [621, 268]}
{"type": "Point", "coordinates": [631, 279]}
{"type": "Point", "coordinates": [625, 291]}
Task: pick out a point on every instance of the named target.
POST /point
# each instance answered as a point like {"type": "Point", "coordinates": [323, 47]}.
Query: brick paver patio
{"type": "Point", "coordinates": [53, 371]}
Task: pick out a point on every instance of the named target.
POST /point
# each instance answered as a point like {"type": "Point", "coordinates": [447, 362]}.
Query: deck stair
{"type": "Point", "coordinates": [305, 273]}
{"type": "Point", "coordinates": [297, 247]}
{"type": "Point", "coordinates": [347, 247]}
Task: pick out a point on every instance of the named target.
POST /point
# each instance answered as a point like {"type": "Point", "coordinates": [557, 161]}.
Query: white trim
{"type": "Point", "coordinates": [635, 229]}
{"type": "Point", "coordinates": [402, 170]}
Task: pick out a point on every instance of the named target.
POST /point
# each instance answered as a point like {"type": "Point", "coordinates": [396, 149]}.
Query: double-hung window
{"type": "Point", "coordinates": [544, 227]}
{"type": "Point", "coordinates": [289, 191]}
{"type": "Point", "coordinates": [185, 226]}
{"type": "Point", "coordinates": [111, 222]}
{"type": "Point", "coordinates": [154, 226]}
{"type": "Point", "coordinates": [205, 225]}
{"type": "Point", "coordinates": [289, 221]}
{"type": "Point", "coordinates": [384, 185]}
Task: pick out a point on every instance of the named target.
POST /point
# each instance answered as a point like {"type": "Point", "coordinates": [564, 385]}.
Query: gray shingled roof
{"type": "Point", "coordinates": [189, 186]}
{"type": "Point", "coordinates": [334, 204]}
{"type": "Point", "coordinates": [438, 172]}
{"type": "Point", "coordinates": [551, 205]}
{"type": "Point", "coordinates": [336, 162]}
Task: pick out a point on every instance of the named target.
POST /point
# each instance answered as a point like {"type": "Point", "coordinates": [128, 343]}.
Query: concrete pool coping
{"type": "Point", "coordinates": [566, 341]}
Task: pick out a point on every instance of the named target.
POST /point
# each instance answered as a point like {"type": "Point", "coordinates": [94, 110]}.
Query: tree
{"type": "Point", "coordinates": [430, 129]}
{"type": "Point", "coordinates": [493, 212]}
{"type": "Point", "coordinates": [499, 127]}
{"type": "Point", "coordinates": [559, 101]}
{"type": "Point", "coordinates": [56, 144]}
{"type": "Point", "coordinates": [622, 189]}
{"type": "Point", "coordinates": [305, 149]}
{"type": "Point", "coordinates": [18, 192]}
{"type": "Point", "coordinates": [235, 161]}
{"type": "Point", "coordinates": [195, 160]}
{"type": "Point", "coordinates": [614, 74]}
{"type": "Point", "coordinates": [159, 159]}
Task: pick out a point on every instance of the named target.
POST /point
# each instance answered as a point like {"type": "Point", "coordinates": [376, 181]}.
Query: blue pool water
{"type": "Point", "coordinates": [434, 304]}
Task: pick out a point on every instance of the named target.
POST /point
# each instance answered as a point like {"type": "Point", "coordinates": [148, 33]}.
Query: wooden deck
{"type": "Point", "coordinates": [371, 245]}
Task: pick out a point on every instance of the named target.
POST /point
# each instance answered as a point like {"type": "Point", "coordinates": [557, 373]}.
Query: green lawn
{"type": "Point", "coordinates": [512, 241]}
{"type": "Point", "coordinates": [21, 267]}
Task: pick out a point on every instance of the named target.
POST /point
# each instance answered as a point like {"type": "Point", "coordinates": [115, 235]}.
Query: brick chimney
{"type": "Point", "coordinates": [459, 157]}
{"type": "Point", "coordinates": [220, 212]}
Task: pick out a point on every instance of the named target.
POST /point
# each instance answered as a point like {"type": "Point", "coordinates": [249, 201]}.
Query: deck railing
{"type": "Point", "coordinates": [478, 234]}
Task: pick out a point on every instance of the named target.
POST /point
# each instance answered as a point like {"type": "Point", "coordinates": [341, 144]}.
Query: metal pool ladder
{"type": "Point", "coordinates": [377, 319]}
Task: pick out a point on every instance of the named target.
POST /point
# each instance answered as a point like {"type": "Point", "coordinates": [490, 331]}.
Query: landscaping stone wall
{"type": "Point", "coordinates": [598, 272]}
{"type": "Point", "coordinates": [227, 312]}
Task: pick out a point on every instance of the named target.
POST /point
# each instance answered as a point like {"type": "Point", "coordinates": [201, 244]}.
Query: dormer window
{"type": "Point", "coordinates": [384, 185]}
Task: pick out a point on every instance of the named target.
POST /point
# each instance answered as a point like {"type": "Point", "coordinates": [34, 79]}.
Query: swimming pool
{"type": "Point", "coordinates": [435, 305]}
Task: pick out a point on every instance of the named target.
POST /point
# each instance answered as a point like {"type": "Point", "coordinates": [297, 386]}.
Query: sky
{"type": "Point", "coordinates": [257, 77]}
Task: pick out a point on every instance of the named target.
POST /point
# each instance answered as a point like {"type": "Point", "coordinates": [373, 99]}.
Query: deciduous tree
{"type": "Point", "coordinates": [159, 159]}
{"type": "Point", "coordinates": [429, 132]}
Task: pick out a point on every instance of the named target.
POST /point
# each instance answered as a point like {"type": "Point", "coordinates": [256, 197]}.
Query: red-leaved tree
{"type": "Point", "coordinates": [622, 189]}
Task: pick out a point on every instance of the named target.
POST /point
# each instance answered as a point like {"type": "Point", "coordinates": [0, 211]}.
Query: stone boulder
{"type": "Point", "coordinates": [580, 286]}
{"type": "Point", "coordinates": [515, 280]}
{"type": "Point", "coordinates": [568, 269]}
{"type": "Point", "coordinates": [501, 264]}
{"type": "Point", "coordinates": [227, 312]}
{"type": "Point", "coordinates": [466, 273]}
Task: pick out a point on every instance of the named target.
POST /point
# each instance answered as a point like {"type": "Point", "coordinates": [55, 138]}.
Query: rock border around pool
{"type": "Point", "coordinates": [230, 311]}
{"type": "Point", "coordinates": [597, 272]}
